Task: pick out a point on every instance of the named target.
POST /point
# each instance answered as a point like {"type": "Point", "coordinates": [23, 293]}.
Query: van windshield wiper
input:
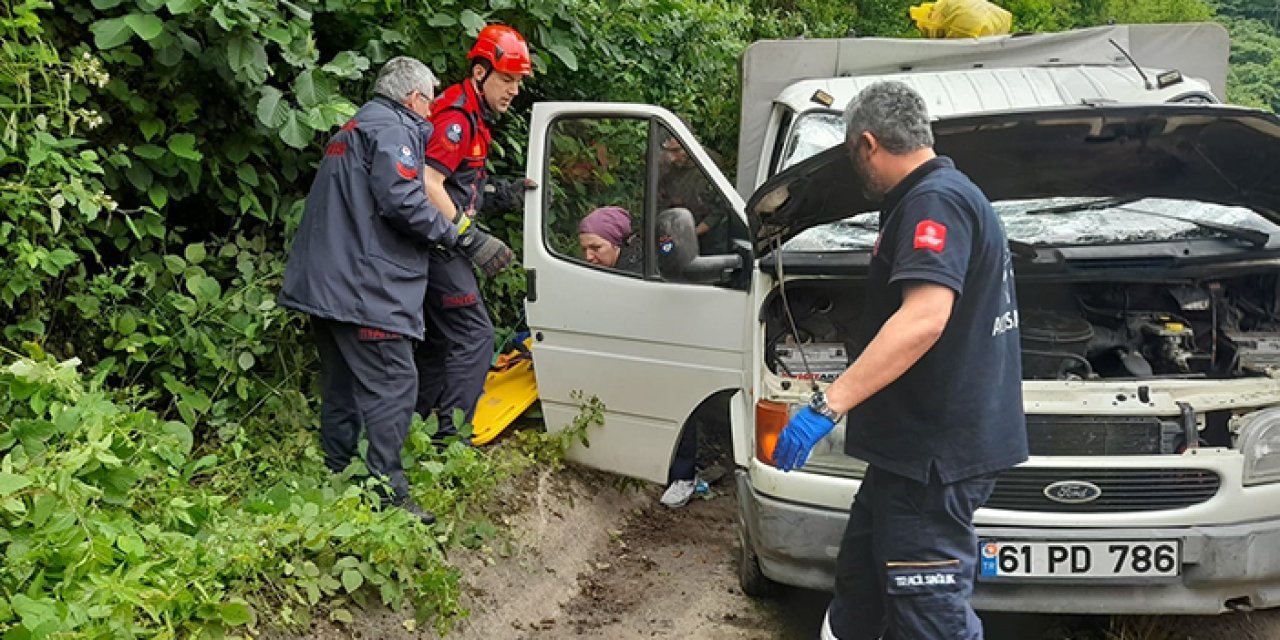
{"type": "Point", "coordinates": [1088, 205]}
{"type": "Point", "coordinates": [1254, 237]}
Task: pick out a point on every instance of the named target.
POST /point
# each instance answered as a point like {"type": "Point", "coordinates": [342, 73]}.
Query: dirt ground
{"type": "Point", "coordinates": [586, 559]}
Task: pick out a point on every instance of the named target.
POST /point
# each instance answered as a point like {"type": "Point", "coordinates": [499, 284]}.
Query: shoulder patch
{"type": "Point", "coordinates": [406, 164]}
{"type": "Point", "coordinates": [406, 157]}
{"type": "Point", "coordinates": [453, 133]}
{"type": "Point", "coordinates": [931, 235]}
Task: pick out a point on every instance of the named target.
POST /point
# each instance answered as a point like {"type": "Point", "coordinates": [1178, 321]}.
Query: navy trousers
{"type": "Point", "coordinates": [367, 379]}
{"type": "Point", "coordinates": [908, 559]}
{"type": "Point", "coordinates": [455, 355]}
{"type": "Point", "coordinates": [684, 464]}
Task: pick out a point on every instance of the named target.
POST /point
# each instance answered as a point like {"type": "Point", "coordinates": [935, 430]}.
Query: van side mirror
{"type": "Point", "coordinates": [678, 258]}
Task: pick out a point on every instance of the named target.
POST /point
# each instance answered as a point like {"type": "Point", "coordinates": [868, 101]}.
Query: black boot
{"type": "Point", "coordinates": [408, 504]}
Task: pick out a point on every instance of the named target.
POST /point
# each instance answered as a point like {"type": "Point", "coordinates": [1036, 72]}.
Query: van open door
{"type": "Point", "coordinates": [650, 327]}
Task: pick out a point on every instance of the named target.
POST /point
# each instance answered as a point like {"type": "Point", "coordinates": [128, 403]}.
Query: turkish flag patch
{"type": "Point", "coordinates": [931, 235]}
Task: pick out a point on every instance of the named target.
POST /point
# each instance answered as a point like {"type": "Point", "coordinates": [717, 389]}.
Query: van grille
{"type": "Point", "coordinates": [1066, 435]}
{"type": "Point", "coordinates": [1023, 489]}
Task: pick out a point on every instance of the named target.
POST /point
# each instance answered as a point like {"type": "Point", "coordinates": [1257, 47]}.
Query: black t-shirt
{"type": "Point", "coordinates": [958, 410]}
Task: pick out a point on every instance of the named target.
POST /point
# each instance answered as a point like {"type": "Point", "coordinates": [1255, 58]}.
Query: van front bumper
{"type": "Point", "coordinates": [1223, 566]}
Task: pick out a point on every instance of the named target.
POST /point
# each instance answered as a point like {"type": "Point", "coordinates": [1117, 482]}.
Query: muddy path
{"type": "Point", "coordinates": [584, 557]}
{"type": "Point", "coordinates": [671, 573]}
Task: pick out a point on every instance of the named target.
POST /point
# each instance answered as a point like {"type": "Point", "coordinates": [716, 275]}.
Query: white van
{"type": "Point", "coordinates": [1143, 219]}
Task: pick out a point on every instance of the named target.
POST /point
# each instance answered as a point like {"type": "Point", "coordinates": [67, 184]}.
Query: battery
{"type": "Point", "coordinates": [826, 360]}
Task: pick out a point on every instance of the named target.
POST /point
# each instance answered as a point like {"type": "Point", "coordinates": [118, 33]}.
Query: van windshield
{"type": "Point", "coordinates": [813, 132]}
{"type": "Point", "coordinates": [1062, 221]}
{"type": "Point", "coordinates": [1064, 224]}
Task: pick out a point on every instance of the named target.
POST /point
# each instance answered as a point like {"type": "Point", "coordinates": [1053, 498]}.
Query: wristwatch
{"type": "Point", "coordinates": [818, 402]}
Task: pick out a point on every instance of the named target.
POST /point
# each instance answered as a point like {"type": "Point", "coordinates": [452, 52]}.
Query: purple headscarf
{"type": "Point", "coordinates": [611, 223]}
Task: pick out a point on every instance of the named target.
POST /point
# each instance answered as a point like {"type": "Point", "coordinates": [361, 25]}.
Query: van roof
{"type": "Point", "coordinates": [968, 91]}
{"type": "Point", "coordinates": [771, 67]}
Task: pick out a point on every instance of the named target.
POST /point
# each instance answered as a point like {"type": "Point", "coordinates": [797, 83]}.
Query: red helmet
{"type": "Point", "coordinates": [504, 48]}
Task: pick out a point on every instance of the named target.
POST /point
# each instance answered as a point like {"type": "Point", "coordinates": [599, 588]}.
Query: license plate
{"type": "Point", "coordinates": [1096, 559]}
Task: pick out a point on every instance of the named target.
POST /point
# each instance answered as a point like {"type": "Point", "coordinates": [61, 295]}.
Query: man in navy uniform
{"type": "Point", "coordinates": [454, 359]}
{"type": "Point", "coordinates": [358, 266]}
{"type": "Point", "coordinates": [934, 401]}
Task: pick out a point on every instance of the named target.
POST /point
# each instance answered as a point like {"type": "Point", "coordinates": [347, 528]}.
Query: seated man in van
{"type": "Point", "coordinates": [606, 239]}
{"type": "Point", "coordinates": [681, 183]}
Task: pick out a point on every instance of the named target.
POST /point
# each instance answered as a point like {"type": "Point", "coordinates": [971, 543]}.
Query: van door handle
{"type": "Point", "coordinates": [531, 285]}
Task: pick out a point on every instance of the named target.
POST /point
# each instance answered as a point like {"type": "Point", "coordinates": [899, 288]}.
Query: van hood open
{"type": "Point", "coordinates": [1209, 153]}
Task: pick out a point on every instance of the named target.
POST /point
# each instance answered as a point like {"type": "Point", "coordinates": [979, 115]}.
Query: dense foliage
{"type": "Point", "coordinates": [159, 474]}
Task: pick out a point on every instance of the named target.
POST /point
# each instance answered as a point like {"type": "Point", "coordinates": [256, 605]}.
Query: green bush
{"type": "Point", "coordinates": [112, 526]}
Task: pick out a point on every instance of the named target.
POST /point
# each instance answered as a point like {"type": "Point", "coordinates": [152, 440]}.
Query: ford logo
{"type": "Point", "coordinates": [1073, 492]}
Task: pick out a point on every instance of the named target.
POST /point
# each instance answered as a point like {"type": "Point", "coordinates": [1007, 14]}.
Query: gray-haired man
{"type": "Point", "coordinates": [358, 267]}
{"type": "Point", "coordinates": [934, 399]}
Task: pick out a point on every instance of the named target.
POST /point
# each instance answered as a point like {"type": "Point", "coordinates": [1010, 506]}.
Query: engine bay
{"type": "Point", "coordinates": [1216, 329]}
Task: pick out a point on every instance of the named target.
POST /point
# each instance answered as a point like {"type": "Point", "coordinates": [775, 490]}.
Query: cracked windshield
{"type": "Point", "coordinates": [1059, 221]}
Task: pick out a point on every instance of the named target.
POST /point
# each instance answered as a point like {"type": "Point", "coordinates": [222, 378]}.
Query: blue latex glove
{"type": "Point", "coordinates": [795, 442]}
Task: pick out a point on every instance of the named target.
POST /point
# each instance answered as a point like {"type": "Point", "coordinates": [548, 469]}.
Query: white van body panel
{"type": "Point", "coordinates": [650, 351]}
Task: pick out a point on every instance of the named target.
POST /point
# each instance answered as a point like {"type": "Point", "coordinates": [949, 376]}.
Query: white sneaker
{"type": "Point", "coordinates": [679, 493]}
{"type": "Point", "coordinates": [682, 490]}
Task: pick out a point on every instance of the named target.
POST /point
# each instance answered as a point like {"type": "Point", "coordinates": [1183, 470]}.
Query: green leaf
{"type": "Point", "coordinates": [183, 145]}
{"type": "Point", "coordinates": [566, 56]}
{"type": "Point", "coordinates": [219, 15]}
{"type": "Point", "coordinates": [148, 151]}
{"type": "Point", "coordinates": [11, 482]}
{"type": "Point", "coordinates": [132, 545]}
{"type": "Point", "coordinates": [313, 88]}
{"type": "Point", "coordinates": [184, 304]}
{"type": "Point", "coordinates": [106, 4]}
{"type": "Point", "coordinates": [195, 253]}
{"type": "Point", "coordinates": [110, 33]}
{"type": "Point", "coordinates": [442, 20]}
{"type": "Point", "coordinates": [278, 35]}
{"type": "Point", "coordinates": [204, 288]}
{"type": "Point", "coordinates": [273, 111]}
{"type": "Point", "coordinates": [151, 128]}
{"type": "Point", "coordinates": [347, 64]}
{"type": "Point", "coordinates": [471, 20]}
{"type": "Point", "coordinates": [245, 361]}
{"type": "Point", "coordinates": [168, 54]}
{"type": "Point", "coordinates": [249, 57]}
{"type": "Point", "coordinates": [295, 133]}
{"type": "Point", "coordinates": [159, 196]}
{"type": "Point", "coordinates": [145, 25]}
{"type": "Point", "coordinates": [351, 580]}
{"type": "Point", "coordinates": [63, 257]}
{"type": "Point", "coordinates": [174, 264]}
{"type": "Point", "coordinates": [247, 174]}
{"type": "Point", "coordinates": [181, 432]}
{"type": "Point", "coordinates": [236, 613]}
{"type": "Point", "coordinates": [179, 7]}
{"type": "Point", "coordinates": [34, 613]}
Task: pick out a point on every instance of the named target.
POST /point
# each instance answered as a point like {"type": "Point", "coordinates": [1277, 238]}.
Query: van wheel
{"type": "Point", "coordinates": [750, 579]}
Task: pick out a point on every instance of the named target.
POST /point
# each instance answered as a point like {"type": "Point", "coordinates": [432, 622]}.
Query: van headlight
{"type": "Point", "coordinates": [1260, 444]}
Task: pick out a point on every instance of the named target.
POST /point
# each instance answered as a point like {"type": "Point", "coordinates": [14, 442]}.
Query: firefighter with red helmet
{"type": "Point", "coordinates": [454, 357]}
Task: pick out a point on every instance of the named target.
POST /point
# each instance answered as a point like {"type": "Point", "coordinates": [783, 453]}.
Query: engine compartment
{"type": "Point", "coordinates": [1215, 328]}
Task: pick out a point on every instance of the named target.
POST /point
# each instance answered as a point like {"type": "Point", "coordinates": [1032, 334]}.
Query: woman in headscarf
{"type": "Point", "coordinates": [606, 239]}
